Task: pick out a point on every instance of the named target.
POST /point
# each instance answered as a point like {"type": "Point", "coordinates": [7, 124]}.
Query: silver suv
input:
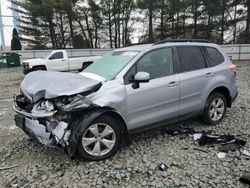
{"type": "Point", "coordinates": [129, 89]}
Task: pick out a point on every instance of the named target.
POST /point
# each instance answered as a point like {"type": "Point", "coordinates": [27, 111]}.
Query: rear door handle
{"type": "Point", "coordinates": [209, 74]}
{"type": "Point", "coordinates": [172, 84]}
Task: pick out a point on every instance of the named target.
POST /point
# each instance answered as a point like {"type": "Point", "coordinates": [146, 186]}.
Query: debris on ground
{"type": "Point", "coordinates": [245, 179]}
{"type": "Point", "coordinates": [162, 167]}
{"type": "Point", "coordinates": [221, 155]}
{"type": "Point", "coordinates": [245, 152]}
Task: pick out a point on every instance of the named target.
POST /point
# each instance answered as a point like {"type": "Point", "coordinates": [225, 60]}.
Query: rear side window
{"type": "Point", "coordinates": [190, 58]}
{"type": "Point", "coordinates": [214, 56]}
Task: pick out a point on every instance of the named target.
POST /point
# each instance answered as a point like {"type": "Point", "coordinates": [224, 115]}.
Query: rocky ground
{"type": "Point", "coordinates": [24, 163]}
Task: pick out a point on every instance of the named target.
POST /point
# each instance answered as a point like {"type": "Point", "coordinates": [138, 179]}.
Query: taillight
{"type": "Point", "coordinates": [233, 68]}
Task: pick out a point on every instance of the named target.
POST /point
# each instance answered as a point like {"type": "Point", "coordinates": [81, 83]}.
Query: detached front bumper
{"type": "Point", "coordinates": [34, 130]}
{"type": "Point", "coordinates": [44, 130]}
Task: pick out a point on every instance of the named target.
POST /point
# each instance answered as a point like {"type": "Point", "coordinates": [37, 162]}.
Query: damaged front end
{"type": "Point", "coordinates": [47, 121]}
{"type": "Point", "coordinates": [45, 114]}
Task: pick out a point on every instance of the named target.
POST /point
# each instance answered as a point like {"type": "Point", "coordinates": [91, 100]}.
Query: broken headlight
{"type": "Point", "coordinates": [46, 106]}
{"type": "Point", "coordinates": [73, 102]}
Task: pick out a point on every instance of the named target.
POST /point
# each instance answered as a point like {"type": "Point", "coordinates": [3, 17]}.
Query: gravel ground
{"type": "Point", "coordinates": [135, 165]}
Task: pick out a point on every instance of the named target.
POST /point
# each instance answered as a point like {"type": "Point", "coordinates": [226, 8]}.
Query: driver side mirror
{"type": "Point", "coordinates": [140, 77]}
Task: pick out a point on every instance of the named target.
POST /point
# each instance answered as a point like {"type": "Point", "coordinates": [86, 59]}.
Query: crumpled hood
{"type": "Point", "coordinates": [49, 84]}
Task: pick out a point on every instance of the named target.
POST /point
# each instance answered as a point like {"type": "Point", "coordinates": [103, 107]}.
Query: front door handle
{"type": "Point", "coordinates": [172, 84]}
{"type": "Point", "coordinates": [209, 74]}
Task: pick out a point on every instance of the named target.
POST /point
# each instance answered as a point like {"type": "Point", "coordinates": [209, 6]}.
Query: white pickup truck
{"type": "Point", "coordinates": [58, 60]}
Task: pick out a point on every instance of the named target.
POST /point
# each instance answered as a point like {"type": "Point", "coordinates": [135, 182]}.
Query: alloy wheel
{"type": "Point", "coordinates": [98, 139]}
{"type": "Point", "coordinates": [216, 109]}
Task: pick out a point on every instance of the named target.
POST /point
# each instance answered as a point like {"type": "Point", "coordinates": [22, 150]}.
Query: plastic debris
{"type": "Point", "coordinates": [162, 167]}
{"type": "Point", "coordinates": [245, 152]}
{"type": "Point", "coordinates": [221, 155]}
{"type": "Point", "coordinates": [197, 136]}
{"type": "Point", "coordinates": [245, 179]}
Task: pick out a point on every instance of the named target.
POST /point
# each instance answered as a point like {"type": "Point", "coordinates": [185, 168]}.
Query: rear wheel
{"type": "Point", "coordinates": [85, 65]}
{"type": "Point", "coordinates": [101, 139]}
{"type": "Point", "coordinates": [215, 108]}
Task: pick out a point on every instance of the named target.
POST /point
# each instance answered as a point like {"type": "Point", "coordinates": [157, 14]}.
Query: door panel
{"type": "Point", "coordinates": [194, 77]}
{"type": "Point", "coordinates": [157, 100]}
{"type": "Point", "coordinates": [152, 102]}
{"type": "Point", "coordinates": [192, 86]}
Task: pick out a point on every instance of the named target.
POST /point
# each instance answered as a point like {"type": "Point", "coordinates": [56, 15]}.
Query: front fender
{"type": "Point", "coordinates": [86, 117]}
{"type": "Point", "coordinates": [37, 62]}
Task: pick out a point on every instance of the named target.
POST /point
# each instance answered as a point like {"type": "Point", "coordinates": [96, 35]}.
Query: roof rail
{"type": "Point", "coordinates": [140, 43]}
{"type": "Point", "coordinates": [182, 40]}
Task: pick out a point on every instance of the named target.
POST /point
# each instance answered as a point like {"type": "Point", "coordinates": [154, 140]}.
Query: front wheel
{"type": "Point", "coordinates": [39, 69]}
{"type": "Point", "coordinates": [101, 139]}
{"type": "Point", "coordinates": [215, 108]}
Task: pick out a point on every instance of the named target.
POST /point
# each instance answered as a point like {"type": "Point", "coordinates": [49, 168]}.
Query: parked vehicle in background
{"type": "Point", "coordinates": [58, 60]}
{"type": "Point", "coordinates": [128, 90]}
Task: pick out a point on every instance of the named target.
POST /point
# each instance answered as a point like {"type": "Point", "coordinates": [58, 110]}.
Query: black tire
{"type": "Point", "coordinates": [39, 69]}
{"type": "Point", "coordinates": [114, 124]}
{"type": "Point", "coordinates": [208, 108]}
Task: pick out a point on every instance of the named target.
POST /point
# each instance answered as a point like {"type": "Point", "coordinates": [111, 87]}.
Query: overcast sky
{"type": "Point", "coordinates": [8, 22]}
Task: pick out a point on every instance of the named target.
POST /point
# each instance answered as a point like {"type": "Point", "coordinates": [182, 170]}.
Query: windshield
{"type": "Point", "coordinates": [111, 64]}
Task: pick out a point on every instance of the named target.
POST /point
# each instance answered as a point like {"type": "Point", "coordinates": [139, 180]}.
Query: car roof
{"type": "Point", "coordinates": [142, 47]}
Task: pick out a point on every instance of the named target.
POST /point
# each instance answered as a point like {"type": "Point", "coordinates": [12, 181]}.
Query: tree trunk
{"type": "Point", "coordinates": [248, 23]}
{"type": "Point", "coordinates": [110, 26]}
{"type": "Point", "coordinates": [235, 25]}
{"type": "Point", "coordinates": [195, 9]}
{"type": "Point", "coordinates": [96, 36]}
{"type": "Point", "coordinates": [172, 28]}
{"type": "Point", "coordinates": [222, 22]}
{"type": "Point", "coordinates": [209, 28]}
{"type": "Point", "coordinates": [150, 33]}
{"type": "Point", "coordinates": [62, 43]}
{"type": "Point", "coordinates": [71, 27]}
{"type": "Point", "coordinates": [162, 20]}
{"type": "Point", "coordinates": [177, 23]}
{"type": "Point", "coordinates": [52, 32]}
{"type": "Point", "coordinates": [89, 30]}
{"type": "Point", "coordinates": [84, 34]}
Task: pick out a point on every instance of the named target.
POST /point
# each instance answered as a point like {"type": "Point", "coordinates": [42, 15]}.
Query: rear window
{"type": "Point", "coordinates": [57, 55]}
{"type": "Point", "coordinates": [214, 56]}
{"type": "Point", "coordinates": [191, 58]}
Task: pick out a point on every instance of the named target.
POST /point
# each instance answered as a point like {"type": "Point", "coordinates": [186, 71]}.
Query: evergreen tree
{"type": "Point", "coordinates": [15, 41]}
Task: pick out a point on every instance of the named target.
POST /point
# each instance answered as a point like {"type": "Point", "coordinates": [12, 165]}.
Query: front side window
{"type": "Point", "coordinates": [190, 58]}
{"type": "Point", "coordinates": [214, 56]}
{"type": "Point", "coordinates": [158, 63]}
{"type": "Point", "coordinates": [57, 55]}
{"type": "Point", "coordinates": [111, 64]}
